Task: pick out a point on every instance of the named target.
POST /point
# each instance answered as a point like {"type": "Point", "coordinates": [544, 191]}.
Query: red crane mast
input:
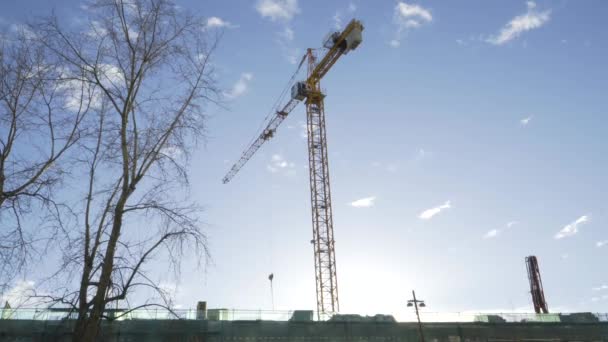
{"type": "Point", "coordinates": [536, 285]}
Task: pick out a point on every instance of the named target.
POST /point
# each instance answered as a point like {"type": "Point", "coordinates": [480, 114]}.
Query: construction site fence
{"type": "Point", "coordinates": [279, 315]}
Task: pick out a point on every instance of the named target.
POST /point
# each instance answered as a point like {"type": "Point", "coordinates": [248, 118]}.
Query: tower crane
{"type": "Point", "coordinates": [309, 91]}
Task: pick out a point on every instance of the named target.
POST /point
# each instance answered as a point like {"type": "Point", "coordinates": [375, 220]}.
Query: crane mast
{"type": "Point", "coordinates": [338, 44]}
{"type": "Point", "coordinates": [536, 285]}
{"type": "Point", "coordinates": [320, 198]}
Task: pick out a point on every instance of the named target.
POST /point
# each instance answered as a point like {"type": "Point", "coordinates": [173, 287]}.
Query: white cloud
{"type": "Point", "coordinates": [408, 16]}
{"type": "Point", "coordinates": [292, 55]}
{"type": "Point", "coordinates": [572, 228]}
{"type": "Point", "coordinates": [75, 98]}
{"type": "Point", "coordinates": [96, 30]}
{"type": "Point", "coordinates": [282, 11]}
{"type": "Point", "coordinates": [240, 87]}
{"type": "Point", "coordinates": [495, 232]}
{"type": "Point", "coordinates": [79, 95]}
{"type": "Point", "coordinates": [391, 167]}
{"type": "Point", "coordinates": [216, 22]}
{"type": "Point", "coordinates": [112, 74]}
{"type": "Point", "coordinates": [339, 14]}
{"type": "Point", "coordinates": [511, 224]}
{"type": "Point", "coordinates": [277, 9]}
{"type": "Point", "coordinates": [429, 213]}
{"type": "Point", "coordinates": [172, 152]}
{"type": "Point", "coordinates": [303, 129]}
{"type": "Point", "coordinates": [285, 42]}
{"type": "Point", "coordinates": [491, 234]}
{"type": "Point", "coordinates": [600, 288]}
{"type": "Point", "coordinates": [532, 19]}
{"type": "Point", "coordinates": [23, 30]}
{"type": "Point", "coordinates": [19, 294]}
{"type": "Point", "coordinates": [287, 34]}
{"type": "Point", "coordinates": [421, 154]}
{"type": "Point", "coordinates": [525, 121]}
{"type": "Point", "coordinates": [278, 163]}
{"type": "Point", "coordinates": [364, 202]}
{"type": "Point", "coordinates": [602, 243]}
{"type": "Point", "coordinates": [413, 11]}
{"type": "Point", "coordinates": [337, 20]}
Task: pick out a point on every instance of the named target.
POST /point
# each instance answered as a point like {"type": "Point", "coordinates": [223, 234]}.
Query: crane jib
{"type": "Point", "coordinates": [342, 43]}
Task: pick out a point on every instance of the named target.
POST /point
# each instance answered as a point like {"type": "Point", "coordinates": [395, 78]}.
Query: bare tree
{"type": "Point", "coordinates": [36, 131]}
{"type": "Point", "coordinates": [146, 62]}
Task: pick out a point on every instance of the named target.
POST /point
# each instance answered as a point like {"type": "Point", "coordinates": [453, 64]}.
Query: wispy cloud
{"type": "Point", "coordinates": [597, 299]}
{"type": "Point", "coordinates": [364, 202]}
{"type": "Point", "coordinates": [525, 121]}
{"type": "Point", "coordinates": [391, 167]}
{"type": "Point", "coordinates": [530, 20]}
{"type": "Point", "coordinates": [429, 213]}
{"type": "Point", "coordinates": [340, 13]}
{"type": "Point", "coordinates": [216, 22]}
{"type": "Point", "coordinates": [282, 11]}
{"type": "Point", "coordinates": [303, 129]}
{"type": "Point", "coordinates": [600, 288]}
{"type": "Point", "coordinates": [109, 75]}
{"type": "Point", "coordinates": [96, 30]}
{"type": "Point", "coordinates": [337, 20]}
{"type": "Point", "coordinates": [287, 34]}
{"type": "Point", "coordinates": [421, 154]}
{"type": "Point", "coordinates": [277, 10]}
{"type": "Point", "coordinates": [491, 234]}
{"type": "Point", "coordinates": [240, 87]}
{"type": "Point", "coordinates": [572, 228]}
{"type": "Point", "coordinates": [285, 39]}
{"type": "Point", "coordinates": [20, 294]}
{"type": "Point", "coordinates": [406, 17]}
{"type": "Point", "coordinates": [602, 243]}
{"type": "Point", "coordinates": [278, 163]}
{"type": "Point", "coordinates": [495, 232]}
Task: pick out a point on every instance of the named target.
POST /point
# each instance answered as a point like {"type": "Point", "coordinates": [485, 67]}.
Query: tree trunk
{"type": "Point", "coordinates": [82, 331]}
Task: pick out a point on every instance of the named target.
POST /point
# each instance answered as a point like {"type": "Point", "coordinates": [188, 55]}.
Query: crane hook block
{"type": "Point", "coordinates": [269, 133]}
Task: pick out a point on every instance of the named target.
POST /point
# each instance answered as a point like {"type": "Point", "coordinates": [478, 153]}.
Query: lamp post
{"type": "Point", "coordinates": [271, 277]}
{"type": "Point", "coordinates": [417, 303]}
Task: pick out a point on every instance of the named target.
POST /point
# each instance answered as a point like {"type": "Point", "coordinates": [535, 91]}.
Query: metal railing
{"type": "Point", "coordinates": [149, 314]}
{"type": "Point", "coordinates": [279, 315]}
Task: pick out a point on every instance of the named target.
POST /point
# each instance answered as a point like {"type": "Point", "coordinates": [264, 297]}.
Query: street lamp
{"type": "Point", "coordinates": [417, 303]}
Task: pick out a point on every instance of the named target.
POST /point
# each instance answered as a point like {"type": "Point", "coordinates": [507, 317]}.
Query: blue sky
{"type": "Point", "coordinates": [463, 136]}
